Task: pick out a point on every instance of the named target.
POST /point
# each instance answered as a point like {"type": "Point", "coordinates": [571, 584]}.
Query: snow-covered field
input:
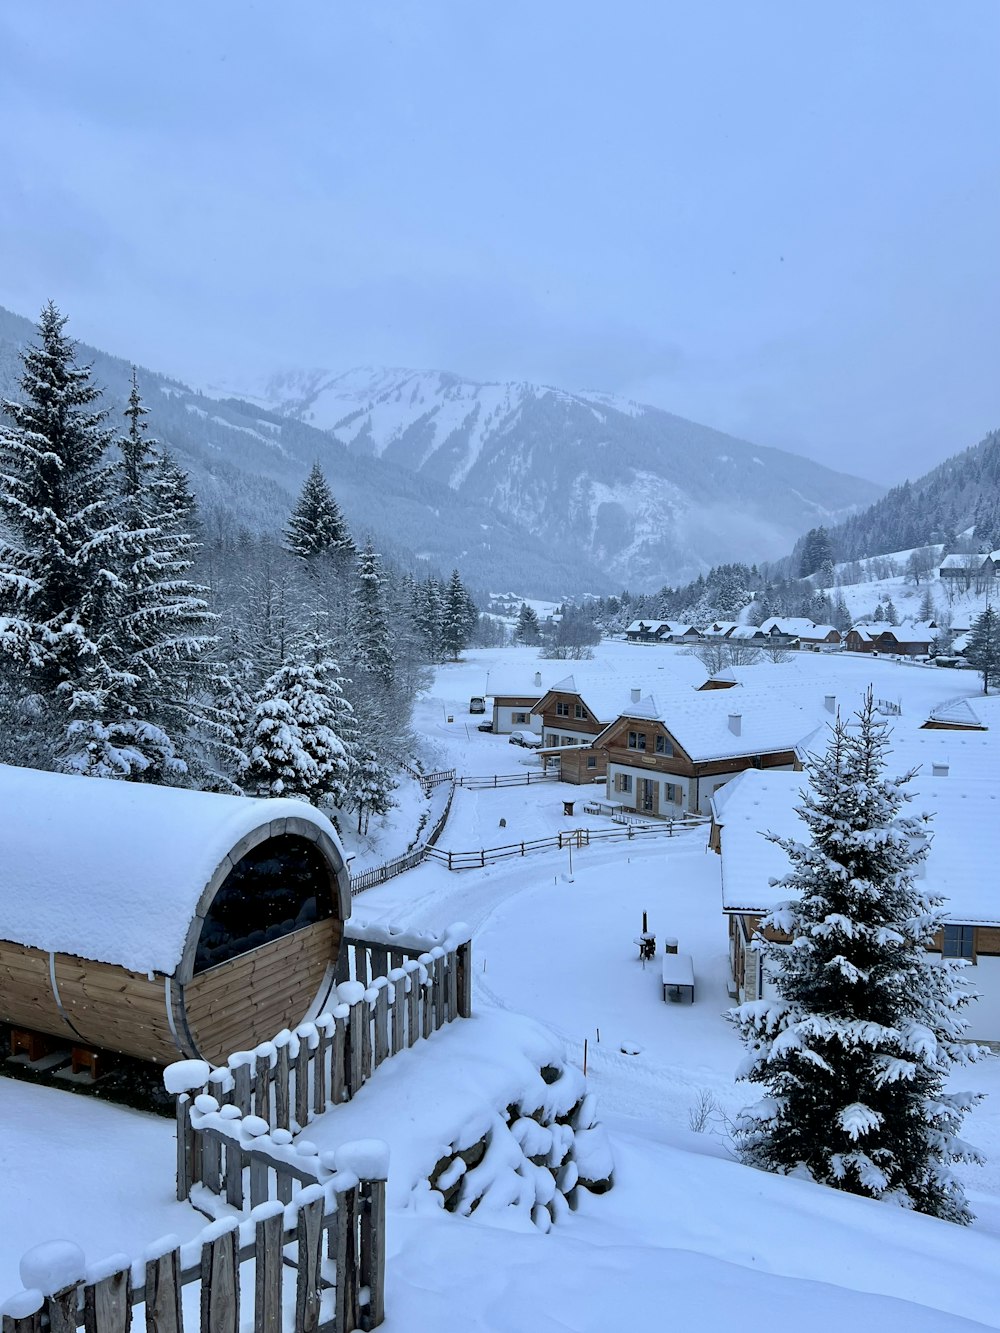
{"type": "Point", "coordinates": [687, 1236]}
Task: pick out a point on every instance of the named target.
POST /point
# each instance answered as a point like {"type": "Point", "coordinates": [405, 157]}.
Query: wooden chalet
{"type": "Point", "coordinates": [670, 760]}
{"type": "Point", "coordinates": [567, 717]}
{"type": "Point", "coordinates": [968, 570]}
{"type": "Point", "coordinates": [906, 640]}
{"type": "Point", "coordinates": [806, 633]}
{"type": "Point", "coordinates": [964, 849]}
{"type": "Point", "coordinates": [646, 631]}
{"type": "Point", "coordinates": [163, 923]}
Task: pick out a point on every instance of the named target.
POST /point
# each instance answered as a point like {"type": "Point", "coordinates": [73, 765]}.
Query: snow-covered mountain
{"type": "Point", "coordinates": [644, 495]}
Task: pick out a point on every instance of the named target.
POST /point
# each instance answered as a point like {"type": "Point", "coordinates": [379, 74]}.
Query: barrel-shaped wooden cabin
{"type": "Point", "coordinates": [163, 923]}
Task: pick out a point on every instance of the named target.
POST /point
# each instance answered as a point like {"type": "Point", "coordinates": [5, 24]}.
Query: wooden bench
{"type": "Point", "coordinates": [678, 975]}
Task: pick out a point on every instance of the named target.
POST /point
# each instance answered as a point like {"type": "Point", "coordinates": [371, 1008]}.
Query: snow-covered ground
{"type": "Point", "coordinates": [687, 1236]}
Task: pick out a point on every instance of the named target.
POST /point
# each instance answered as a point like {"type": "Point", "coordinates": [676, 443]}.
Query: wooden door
{"type": "Point", "coordinates": [649, 797]}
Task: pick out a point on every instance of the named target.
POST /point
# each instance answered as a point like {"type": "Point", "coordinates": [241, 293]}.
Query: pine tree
{"type": "Point", "coordinates": [317, 526]}
{"type": "Point", "coordinates": [161, 617]}
{"type": "Point", "coordinates": [854, 1055]}
{"type": "Point", "coordinates": [370, 637]}
{"type": "Point", "coordinates": [294, 749]}
{"type": "Point", "coordinates": [428, 613]}
{"type": "Point", "coordinates": [891, 614]}
{"type": "Point", "coordinates": [527, 629]}
{"type": "Point", "coordinates": [371, 788]}
{"type": "Point", "coordinates": [57, 564]}
{"type": "Point", "coordinates": [983, 648]}
{"type": "Point", "coordinates": [458, 617]}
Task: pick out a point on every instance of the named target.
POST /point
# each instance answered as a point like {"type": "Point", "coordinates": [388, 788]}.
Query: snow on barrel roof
{"type": "Point", "coordinates": [965, 841]}
{"type": "Point", "coordinates": [113, 871]}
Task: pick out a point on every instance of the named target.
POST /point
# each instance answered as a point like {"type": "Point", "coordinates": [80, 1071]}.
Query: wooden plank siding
{"type": "Point", "coordinates": [116, 1009]}
{"type": "Point", "coordinates": [553, 720]}
{"type": "Point", "coordinates": [247, 999]}
{"type": "Point", "coordinates": [26, 998]}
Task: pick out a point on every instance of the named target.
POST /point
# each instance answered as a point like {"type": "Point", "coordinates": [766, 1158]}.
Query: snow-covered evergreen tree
{"type": "Point", "coordinates": [527, 629]}
{"type": "Point", "coordinates": [428, 614]}
{"type": "Point", "coordinates": [371, 788]}
{"type": "Point", "coordinates": [983, 648]}
{"type": "Point", "coordinates": [458, 618]}
{"type": "Point", "coordinates": [162, 618]}
{"type": "Point", "coordinates": [370, 622]}
{"type": "Point", "coordinates": [293, 747]}
{"type": "Point", "coordinates": [854, 1054]}
{"type": "Point", "coordinates": [317, 526]}
{"type": "Point", "coordinates": [61, 548]}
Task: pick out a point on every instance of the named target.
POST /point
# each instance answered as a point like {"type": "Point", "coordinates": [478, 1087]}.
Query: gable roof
{"type": "Point", "coordinates": [957, 561]}
{"type": "Point", "coordinates": [965, 841]}
{"type": "Point", "coordinates": [771, 721]}
{"type": "Point", "coordinates": [959, 712]}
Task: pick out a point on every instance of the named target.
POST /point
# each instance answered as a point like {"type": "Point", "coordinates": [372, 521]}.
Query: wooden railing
{"type": "Point", "coordinates": [336, 1227]}
{"type": "Point", "coordinates": [477, 860]}
{"type": "Point", "coordinates": [401, 987]}
{"type": "Point", "coordinates": [409, 860]}
{"type": "Point", "coordinates": [506, 780]}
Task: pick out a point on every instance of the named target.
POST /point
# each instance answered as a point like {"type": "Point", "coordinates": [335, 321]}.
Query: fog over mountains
{"type": "Point", "coordinates": [641, 494]}
{"type": "Point", "coordinates": [518, 484]}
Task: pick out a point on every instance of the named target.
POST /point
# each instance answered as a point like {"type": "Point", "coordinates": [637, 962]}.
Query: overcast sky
{"type": "Point", "coordinates": [780, 219]}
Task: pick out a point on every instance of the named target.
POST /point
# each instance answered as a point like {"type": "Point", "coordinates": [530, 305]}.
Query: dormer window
{"type": "Point", "coordinates": [637, 740]}
{"type": "Point", "coordinates": [580, 712]}
{"type": "Point", "coordinates": [663, 745]}
{"type": "Point", "coordinates": [562, 709]}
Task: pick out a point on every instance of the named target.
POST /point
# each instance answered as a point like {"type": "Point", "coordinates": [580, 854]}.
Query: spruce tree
{"type": "Point", "coordinates": [317, 526]}
{"type": "Point", "coordinates": [293, 748]}
{"type": "Point", "coordinates": [61, 548]}
{"type": "Point", "coordinates": [428, 612]}
{"type": "Point", "coordinates": [371, 788]}
{"type": "Point", "coordinates": [854, 1055]}
{"type": "Point", "coordinates": [527, 629]}
{"type": "Point", "coordinates": [458, 617]}
{"type": "Point", "coordinates": [370, 627]}
{"type": "Point", "coordinates": [983, 648]}
{"type": "Point", "coordinates": [161, 637]}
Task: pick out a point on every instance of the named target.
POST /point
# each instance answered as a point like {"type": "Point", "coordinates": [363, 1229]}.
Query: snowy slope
{"type": "Point", "coordinates": [647, 495]}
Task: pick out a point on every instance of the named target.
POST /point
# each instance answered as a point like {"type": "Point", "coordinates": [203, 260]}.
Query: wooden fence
{"type": "Point", "coordinates": [409, 860]}
{"type": "Point", "coordinates": [400, 988]}
{"type": "Point", "coordinates": [338, 1234]}
{"type": "Point", "coordinates": [664, 828]}
{"type": "Point", "coordinates": [506, 780]}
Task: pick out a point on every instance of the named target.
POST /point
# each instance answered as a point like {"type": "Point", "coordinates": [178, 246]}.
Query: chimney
{"type": "Point", "coordinates": [636, 694]}
{"type": "Point", "coordinates": [940, 770]}
{"type": "Point", "coordinates": [830, 702]}
{"type": "Point", "coordinates": [736, 723]}
{"type": "Point", "coordinates": [538, 679]}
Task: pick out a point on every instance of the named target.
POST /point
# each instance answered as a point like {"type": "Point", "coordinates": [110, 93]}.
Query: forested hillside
{"type": "Point", "coordinates": [961, 493]}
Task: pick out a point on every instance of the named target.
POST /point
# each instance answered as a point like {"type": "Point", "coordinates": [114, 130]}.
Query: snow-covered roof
{"type": "Point", "coordinates": [727, 676]}
{"type": "Point", "coordinates": [819, 632]}
{"type": "Point", "coordinates": [719, 628]}
{"type": "Point", "coordinates": [962, 561]}
{"type": "Point", "coordinates": [770, 719]}
{"type": "Point", "coordinates": [964, 849]}
{"type": "Point", "coordinates": [958, 712]}
{"type": "Point", "coordinates": [793, 625]}
{"type": "Point", "coordinates": [651, 626]}
{"type": "Point", "coordinates": [113, 871]}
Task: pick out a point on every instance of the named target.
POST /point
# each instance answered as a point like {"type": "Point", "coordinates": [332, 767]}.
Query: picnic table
{"type": "Point", "coordinates": [678, 974]}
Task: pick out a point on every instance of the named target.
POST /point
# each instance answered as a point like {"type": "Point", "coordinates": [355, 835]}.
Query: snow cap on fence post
{"type": "Point", "coordinates": [53, 1266]}
{"type": "Point", "coordinates": [23, 1304]}
{"type": "Point", "coordinates": [368, 1159]}
{"type": "Point", "coordinates": [185, 1076]}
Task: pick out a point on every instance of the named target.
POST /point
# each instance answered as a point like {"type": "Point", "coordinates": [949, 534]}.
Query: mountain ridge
{"type": "Point", "coordinates": [646, 495]}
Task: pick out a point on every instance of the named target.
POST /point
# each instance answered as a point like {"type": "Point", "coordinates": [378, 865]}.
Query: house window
{"type": "Point", "coordinates": [551, 739]}
{"type": "Point", "coordinates": [579, 711]}
{"type": "Point", "coordinates": [521, 717]}
{"type": "Point", "coordinates": [958, 942]}
{"type": "Point", "coordinates": [626, 781]}
{"type": "Point", "coordinates": [670, 793]}
{"type": "Point", "coordinates": [591, 761]}
{"type": "Point", "coordinates": [568, 740]}
{"type": "Point", "coordinates": [637, 740]}
{"type": "Point", "coordinates": [663, 746]}
{"type": "Point", "coordinates": [562, 709]}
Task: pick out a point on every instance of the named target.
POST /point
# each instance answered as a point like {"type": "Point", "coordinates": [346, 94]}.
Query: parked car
{"type": "Point", "coordinates": [485, 726]}
{"type": "Point", "coordinates": [477, 704]}
{"type": "Point", "coordinates": [526, 738]}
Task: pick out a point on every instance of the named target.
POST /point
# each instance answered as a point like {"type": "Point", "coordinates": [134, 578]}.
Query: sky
{"type": "Point", "coordinates": [777, 218]}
